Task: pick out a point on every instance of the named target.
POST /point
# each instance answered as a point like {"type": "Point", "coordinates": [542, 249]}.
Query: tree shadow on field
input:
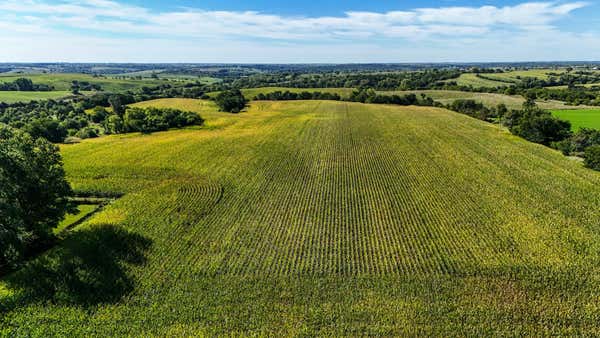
{"type": "Point", "coordinates": [88, 268]}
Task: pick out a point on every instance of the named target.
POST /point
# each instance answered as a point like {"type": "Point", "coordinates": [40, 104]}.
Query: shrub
{"type": "Point", "coordinates": [87, 132]}
{"type": "Point", "coordinates": [592, 157]}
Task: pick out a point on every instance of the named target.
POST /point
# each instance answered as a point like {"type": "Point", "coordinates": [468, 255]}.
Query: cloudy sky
{"type": "Point", "coordinates": [269, 31]}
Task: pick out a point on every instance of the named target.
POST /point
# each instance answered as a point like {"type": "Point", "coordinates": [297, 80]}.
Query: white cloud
{"type": "Point", "coordinates": [533, 13]}
{"type": "Point", "coordinates": [104, 30]}
{"type": "Point", "coordinates": [111, 16]}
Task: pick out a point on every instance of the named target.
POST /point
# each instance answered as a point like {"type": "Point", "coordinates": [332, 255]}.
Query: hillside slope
{"type": "Point", "coordinates": [322, 218]}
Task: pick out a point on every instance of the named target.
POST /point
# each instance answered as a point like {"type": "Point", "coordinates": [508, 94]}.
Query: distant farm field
{"type": "Point", "coordinates": [488, 99]}
{"type": "Point", "coordinates": [161, 74]}
{"type": "Point", "coordinates": [470, 79]}
{"type": "Point", "coordinates": [320, 218]}
{"type": "Point", "coordinates": [587, 85]}
{"type": "Point", "coordinates": [580, 118]}
{"type": "Point", "coordinates": [503, 79]}
{"type": "Point", "coordinates": [62, 81]}
{"type": "Point", "coordinates": [442, 96]}
{"type": "Point", "coordinates": [14, 96]}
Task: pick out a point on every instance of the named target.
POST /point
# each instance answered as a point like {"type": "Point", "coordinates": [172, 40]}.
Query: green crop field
{"type": "Point", "coordinates": [162, 74]}
{"type": "Point", "coordinates": [488, 99]}
{"type": "Point", "coordinates": [580, 118]}
{"type": "Point", "coordinates": [320, 218]}
{"type": "Point", "coordinates": [587, 85]}
{"type": "Point", "coordinates": [515, 75]}
{"type": "Point", "coordinates": [62, 82]}
{"type": "Point", "coordinates": [14, 96]}
{"type": "Point", "coordinates": [470, 79]}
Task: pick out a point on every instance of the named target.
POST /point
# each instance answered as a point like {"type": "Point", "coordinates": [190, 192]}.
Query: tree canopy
{"type": "Point", "coordinates": [231, 101]}
{"type": "Point", "coordinates": [34, 193]}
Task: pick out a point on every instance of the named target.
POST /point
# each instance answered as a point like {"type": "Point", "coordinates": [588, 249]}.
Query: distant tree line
{"type": "Point", "coordinates": [376, 80]}
{"type": "Point", "coordinates": [24, 85]}
{"type": "Point", "coordinates": [287, 96]}
{"type": "Point", "coordinates": [362, 96]}
{"type": "Point", "coordinates": [371, 96]}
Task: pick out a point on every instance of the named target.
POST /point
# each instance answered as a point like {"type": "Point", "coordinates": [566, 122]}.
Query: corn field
{"type": "Point", "coordinates": [327, 218]}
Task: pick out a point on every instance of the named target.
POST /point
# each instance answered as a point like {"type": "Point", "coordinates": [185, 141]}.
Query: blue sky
{"type": "Point", "coordinates": [268, 31]}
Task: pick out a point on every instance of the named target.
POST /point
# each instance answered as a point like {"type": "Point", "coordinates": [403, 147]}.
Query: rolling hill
{"type": "Point", "coordinates": [320, 218]}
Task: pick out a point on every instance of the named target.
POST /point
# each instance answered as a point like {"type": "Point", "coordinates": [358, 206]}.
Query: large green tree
{"type": "Point", "coordinates": [232, 101]}
{"type": "Point", "coordinates": [33, 193]}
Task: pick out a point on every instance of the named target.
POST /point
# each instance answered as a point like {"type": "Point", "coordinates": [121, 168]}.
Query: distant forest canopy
{"type": "Point", "coordinates": [217, 69]}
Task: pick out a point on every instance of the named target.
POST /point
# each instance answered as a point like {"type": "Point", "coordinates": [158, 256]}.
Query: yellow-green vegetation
{"type": "Point", "coordinates": [15, 96]}
{"type": "Point", "coordinates": [515, 75]}
{"type": "Point", "coordinates": [488, 99]}
{"type": "Point", "coordinates": [580, 118]}
{"type": "Point", "coordinates": [204, 107]}
{"type": "Point", "coordinates": [321, 218]}
{"type": "Point", "coordinates": [470, 79]}
{"type": "Point", "coordinates": [63, 81]}
{"type": "Point", "coordinates": [503, 79]}
{"type": "Point", "coordinates": [83, 210]}
{"type": "Point", "coordinates": [587, 85]}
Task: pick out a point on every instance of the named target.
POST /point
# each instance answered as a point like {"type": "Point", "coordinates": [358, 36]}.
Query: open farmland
{"type": "Point", "coordinates": [515, 75]}
{"type": "Point", "coordinates": [320, 218]}
{"type": "Point", "coordinates": [580, 118]}
{"type": "Point", "coordinates": [63, 81]}
{"type": "Point", "coordinates": [503, 79]}
{"type": "Point", "coordinates": [164, 74]}
{"type": "Point", "coordinates": [488, 99]}
{"type": "Point", "coordinates": [442, 96]}
{"type": "Point", "coordinates": [16, 96]}
{"type": "Point", "coordinates": [470, 79]}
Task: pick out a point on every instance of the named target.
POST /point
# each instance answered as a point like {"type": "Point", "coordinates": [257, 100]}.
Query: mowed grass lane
{"type": "Point", "coordinates": [17, 96]}
{"type": "Point", "coordinates": [334, 218]}
{"type": "Point", "coordinates": [580, 118]}
{"type": "Point", "coordinates": [504, 79]}
{"type": "Point", "coordinates": [63, 81]}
